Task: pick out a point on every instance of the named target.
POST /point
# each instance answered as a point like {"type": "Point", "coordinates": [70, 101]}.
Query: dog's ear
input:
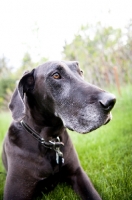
{"type": "Point", "coordinates": [17, 104]}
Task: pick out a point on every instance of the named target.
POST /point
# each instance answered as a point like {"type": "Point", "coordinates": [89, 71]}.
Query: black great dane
{"type": "Point", "coordinates": [38, 152]}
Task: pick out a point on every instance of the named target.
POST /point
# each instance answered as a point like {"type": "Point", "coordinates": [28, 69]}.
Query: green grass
{"type": "Point", "coordinates": [105, 154]}
{"type": "Point", "coordinates": [5, 119]}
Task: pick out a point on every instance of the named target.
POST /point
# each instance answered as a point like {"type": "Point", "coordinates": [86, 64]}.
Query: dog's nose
{"type": "Point", "coordinates": [107, 101]}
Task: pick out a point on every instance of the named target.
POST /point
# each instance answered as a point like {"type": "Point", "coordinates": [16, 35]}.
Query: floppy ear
{"type": "Point", "coordinates": [17, 105]}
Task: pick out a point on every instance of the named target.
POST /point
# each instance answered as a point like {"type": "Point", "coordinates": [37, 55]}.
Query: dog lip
{"type": "Point", "coordinates": [69, 128]}
{"type": "Point", "coordinates": [108, 119]}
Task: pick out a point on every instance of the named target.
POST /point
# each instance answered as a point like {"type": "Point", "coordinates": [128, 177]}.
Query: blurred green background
{"type": "Point", "coordinates": [105, 57]}
{"type": "Point", "coordinates": [98, 34]}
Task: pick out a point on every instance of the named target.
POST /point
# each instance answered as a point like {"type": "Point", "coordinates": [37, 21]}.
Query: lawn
{"type": "Point", "coordinates": [105, 154]}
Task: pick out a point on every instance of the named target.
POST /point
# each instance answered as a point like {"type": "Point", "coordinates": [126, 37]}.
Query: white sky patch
{"type": "Point", "coordinates": [41, 27]}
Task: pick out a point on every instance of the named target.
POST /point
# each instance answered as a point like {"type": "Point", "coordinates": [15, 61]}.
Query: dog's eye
{"type": "Point", "coordinates": [56, 76]}
{"type": "Point", "coordinates": [81, 72]}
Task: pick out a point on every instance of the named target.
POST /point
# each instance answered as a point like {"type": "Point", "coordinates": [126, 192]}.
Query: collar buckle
{"type": "Point", "coordinates": [50, 144]}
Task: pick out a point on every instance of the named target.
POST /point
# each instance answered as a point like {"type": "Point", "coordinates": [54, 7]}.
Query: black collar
{"type": "Point", "coordinates": [50, 144]}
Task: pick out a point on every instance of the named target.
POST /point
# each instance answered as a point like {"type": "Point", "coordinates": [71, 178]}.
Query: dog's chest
{"type": "Point", "coordinates": [45, 165]}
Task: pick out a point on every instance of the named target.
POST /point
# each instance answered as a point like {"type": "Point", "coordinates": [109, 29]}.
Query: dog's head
{"type": "Point", "coordinates": [58, 88]}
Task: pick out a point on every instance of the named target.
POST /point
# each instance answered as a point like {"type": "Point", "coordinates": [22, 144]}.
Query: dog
{"type": "Point", "coordinates": [37, 150]}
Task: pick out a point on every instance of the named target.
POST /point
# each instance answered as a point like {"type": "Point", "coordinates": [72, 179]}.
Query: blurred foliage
{"type": "Point", "coordinates": [6, 82]}
{"type": "Point", "coordinates": [104, 53]}
{"type": "Point", "coordinates": [9, 77]}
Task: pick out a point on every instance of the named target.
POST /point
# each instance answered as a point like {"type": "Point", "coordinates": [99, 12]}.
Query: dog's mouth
{"type": "Point", "coordinates": [108, 119]}
{"type": "Point", "coordinates": [84, 124]}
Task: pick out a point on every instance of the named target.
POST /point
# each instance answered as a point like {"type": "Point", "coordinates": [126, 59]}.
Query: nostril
{"type": "Point", "coordinates": [107, 104]}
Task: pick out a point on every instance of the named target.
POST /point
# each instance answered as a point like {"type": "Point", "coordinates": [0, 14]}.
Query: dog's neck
{"type": "Point", "coordinates": [45, 123]}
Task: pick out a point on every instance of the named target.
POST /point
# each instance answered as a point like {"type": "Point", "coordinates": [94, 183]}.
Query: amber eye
{"type": "Point", "coordinates": [81, 72]}
{"type": "Point", "coordinates": [56, 76]}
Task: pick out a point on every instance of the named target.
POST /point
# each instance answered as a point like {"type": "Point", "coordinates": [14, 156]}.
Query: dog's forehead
{"type": "Point", "coordinates": [51, 66]}
{"type": "Point", "coordinates": [73, 65]}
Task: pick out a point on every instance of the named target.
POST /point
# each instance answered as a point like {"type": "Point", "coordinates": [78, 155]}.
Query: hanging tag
{"type": "Point", "coordinates": [57, 158]}
{"type": "Point", "coordinates": [63, 160]}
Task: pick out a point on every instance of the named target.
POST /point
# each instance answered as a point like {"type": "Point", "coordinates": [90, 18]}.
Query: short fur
{"type": "Point", "coordinates": [51, 98]}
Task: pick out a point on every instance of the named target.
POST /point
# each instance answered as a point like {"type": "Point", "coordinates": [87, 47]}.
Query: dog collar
{"type": "Point", "coordinates": [50, 144]}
